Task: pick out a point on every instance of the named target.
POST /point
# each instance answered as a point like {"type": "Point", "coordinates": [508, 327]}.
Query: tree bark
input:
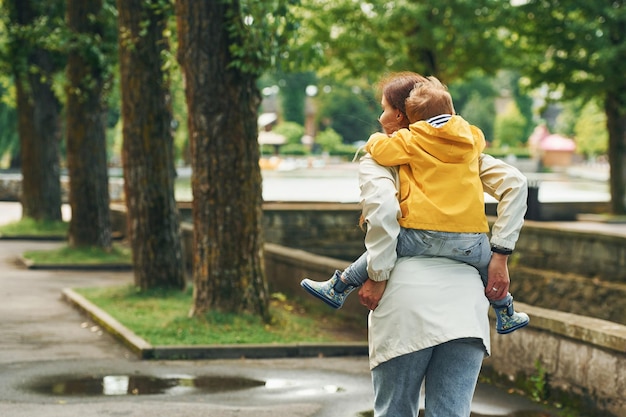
{"type": "Point", "coordinates": [148, 149]}
{"type": "Point", "coordinates": [228, 270]}
{"type": "Point", "coordinates": [616, 126]}
{"type": "Point", "coordinates": [38, 123]}
{"type": "Point", "coordinates": [86, 141]}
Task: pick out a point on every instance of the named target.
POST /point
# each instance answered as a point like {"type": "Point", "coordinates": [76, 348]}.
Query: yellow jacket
{"type": "Point", "coordinates": [440, 187]}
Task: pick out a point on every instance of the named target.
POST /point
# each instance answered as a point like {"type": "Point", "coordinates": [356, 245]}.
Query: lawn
{"type": "Point", "coordinates": [34, 228]}
{"type": "Point", "coordinates": [161, 318]}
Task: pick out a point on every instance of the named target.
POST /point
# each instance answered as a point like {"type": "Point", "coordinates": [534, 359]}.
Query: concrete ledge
{"type": "Point", "coordinates": [145, 350]}
{"type": "Point", "coordinates": [601, 333]}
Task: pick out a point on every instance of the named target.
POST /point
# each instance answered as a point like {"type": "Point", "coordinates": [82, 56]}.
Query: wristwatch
{"type": "Point", "coordinates": [501, 250]}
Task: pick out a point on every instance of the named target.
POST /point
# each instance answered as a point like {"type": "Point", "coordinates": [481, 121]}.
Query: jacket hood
{"type": "Point", "coordinates": [454, 142]}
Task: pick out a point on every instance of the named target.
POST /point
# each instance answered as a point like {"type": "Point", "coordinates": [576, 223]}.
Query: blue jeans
{"type": "Point", "coordinates": [471, 248]}
{"type": "Point", "coordinates": [449, 371]}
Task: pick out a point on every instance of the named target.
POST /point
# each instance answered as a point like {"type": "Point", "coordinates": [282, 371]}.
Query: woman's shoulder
{"type": "Point", "coordinates": [368, 166]}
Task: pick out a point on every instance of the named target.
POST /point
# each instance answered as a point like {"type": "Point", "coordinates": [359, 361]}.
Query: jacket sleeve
{"type": "Point", "coordinates": [381, 211]}
{"type": "Point", "coordinates": [390, 151]}
{"type": "Point", "coordinates": [510, 188]}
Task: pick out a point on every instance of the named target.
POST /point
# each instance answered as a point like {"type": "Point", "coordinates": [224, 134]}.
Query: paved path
{"type": "Point", "coordinates": [43, 339]}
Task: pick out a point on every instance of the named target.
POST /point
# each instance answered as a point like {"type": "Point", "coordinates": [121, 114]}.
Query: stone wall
{"type": "Point", "coordinates": [560, 267]}
{"type": "Point", "coordinates": [583, 358]}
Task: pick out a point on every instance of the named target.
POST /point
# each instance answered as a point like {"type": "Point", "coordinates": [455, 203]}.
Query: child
{"type": "Point", "coordinates": [441, 196]}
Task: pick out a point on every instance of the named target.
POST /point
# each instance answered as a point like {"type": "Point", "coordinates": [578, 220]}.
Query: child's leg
{"type": "Point", "coordinates": [356, 273]}
{"type": "Point", "coordinates": [472, 248]}
{"type": "Point", "coordinates": [507, 319]}
{"type": "Point", "coordinates": [414, 242]}
{"type": "Point", "coordinates": [335, 290]}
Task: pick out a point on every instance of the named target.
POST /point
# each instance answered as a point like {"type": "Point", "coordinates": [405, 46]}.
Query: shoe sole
{"type": "Point", "coordinates": [512, 329]}
{"type": "Point", "coordinates": [315, 294]}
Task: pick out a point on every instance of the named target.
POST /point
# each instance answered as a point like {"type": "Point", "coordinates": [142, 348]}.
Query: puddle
{"type": "Point", "coordinates": [140, 385]}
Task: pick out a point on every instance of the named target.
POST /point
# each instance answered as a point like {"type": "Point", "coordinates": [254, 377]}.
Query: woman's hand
{"type": "Point", "coordinates": [498, 277]}
{"type": "Point", "coordinates": [371, 292]}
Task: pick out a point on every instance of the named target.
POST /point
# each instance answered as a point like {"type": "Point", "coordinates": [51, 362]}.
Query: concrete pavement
{"type": "Point", "coordinates": [45, 344]}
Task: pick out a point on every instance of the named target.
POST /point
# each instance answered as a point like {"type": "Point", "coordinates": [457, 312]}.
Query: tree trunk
{"type": "Point", "coordinates": [38, 124]}
{"type": "Point", "coordinates": [148, 149]}
{"type": "Point", "coordinates": [228, 270]}
{"type": "Point", "coordinates": [616, 126]}
{"type": "Point", "coordinates": [86, 142]}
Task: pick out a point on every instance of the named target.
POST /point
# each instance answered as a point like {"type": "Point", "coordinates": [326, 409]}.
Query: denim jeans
{"type": "Point", "coordinates": [471, 248]}
{"type": "Point", "coordinates": [449, 371]}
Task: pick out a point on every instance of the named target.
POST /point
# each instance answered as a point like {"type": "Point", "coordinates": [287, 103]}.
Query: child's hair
{"type": "Point", "coordinates": [429, 98]}
{"type": "Point", "coordinates": [396, 87]}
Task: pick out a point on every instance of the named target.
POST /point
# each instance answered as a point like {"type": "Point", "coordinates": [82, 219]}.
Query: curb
{"type": "Point", "coordinates": [41, 238]}
{"type": "Point", "coordinates": [145, 350]}
{"type": "Point", "coordinates": [73, 267]}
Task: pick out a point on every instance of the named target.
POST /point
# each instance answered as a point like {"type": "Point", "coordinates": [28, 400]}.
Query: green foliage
{"type": "Point", "coordinates": [538, 383]}
{"type": "Point", "coordinates": [259, 32]}
{"type": "Point", "coordinates": [472, 84]}
{"type": "Point", "coordinates": [293, 94]}
{"type": "Point", "coordinates": [565, 122]}
{"type": "Point", "coordinates": [474, 99]}
{"type": "Point", "coordinates": [94, 256]}
{"type": "Point", "coordinates": [99, 51]}
{"type": "Point", "coordinates": [160, 317]}
{"type": "Point", "coordinates": [480, 111]}
{"type": "Point", "coordinates": [328, 140]}
{"type": "Point", "coordinates": [292, 131]}
{"type": "Point", "coordinates": [350, 110]}
{"type": "Point", "coordinates": [506, 152]}
{"type": "Point", "coordinates": [590, 131]}
{"type": "Point", "coordinates": [48, 31]}
{"type": "Point", "coordinates": [31, 227]}
{"type": "Point", "coordinates": [294, 149]}
{"type": "Point", "coordinates": [9, 139]}
{"type": "Point", "coordinates": [345, 151]}
{"type": "Point", "coordinates": [573, 46]}
{"type": "Point", "coordinates": [45, 31]}
{"type": "Point", "coordinates": [508, 84]}
{"type": "Point", "coordinates": [351, 39]}
{"type": "Point", "coordinates": [510, 127]}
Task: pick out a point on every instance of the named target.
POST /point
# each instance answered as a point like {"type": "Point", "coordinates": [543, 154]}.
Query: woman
{"type": "Point", "coordinates": [431, 324]}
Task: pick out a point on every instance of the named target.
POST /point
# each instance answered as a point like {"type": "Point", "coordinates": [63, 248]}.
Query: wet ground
{"type": "Point", "coordinates": [54, 362]}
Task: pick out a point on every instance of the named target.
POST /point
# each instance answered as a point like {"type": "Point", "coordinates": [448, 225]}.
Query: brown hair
{"type": "Point", "coordinates": [428, 99]}
{"type": "Point", "coordinates": [396, 88]}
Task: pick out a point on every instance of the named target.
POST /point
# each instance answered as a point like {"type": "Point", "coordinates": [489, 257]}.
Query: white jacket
{"type": "Point", "coordinates": [381, 209]}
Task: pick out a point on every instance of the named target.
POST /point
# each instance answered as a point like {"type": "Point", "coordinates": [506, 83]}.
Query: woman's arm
{"type": "Point", "coordinates": [510, 188]}
{"type": "Point", "coordinates": [381, 211]}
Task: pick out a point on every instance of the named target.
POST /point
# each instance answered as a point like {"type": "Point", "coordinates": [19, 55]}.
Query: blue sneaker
{"type": "Point", "coordinates": [333, 292]}
{"type": "Point", "coordinates": [508, 320]}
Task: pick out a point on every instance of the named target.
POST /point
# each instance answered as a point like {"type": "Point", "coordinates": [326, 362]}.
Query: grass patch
{"type": "Point", "coordinates": [67, 255]}
{"type": "Point", "coordinates": [160, 318]}
{"type": "Point", "coordinates": [31, 227]}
